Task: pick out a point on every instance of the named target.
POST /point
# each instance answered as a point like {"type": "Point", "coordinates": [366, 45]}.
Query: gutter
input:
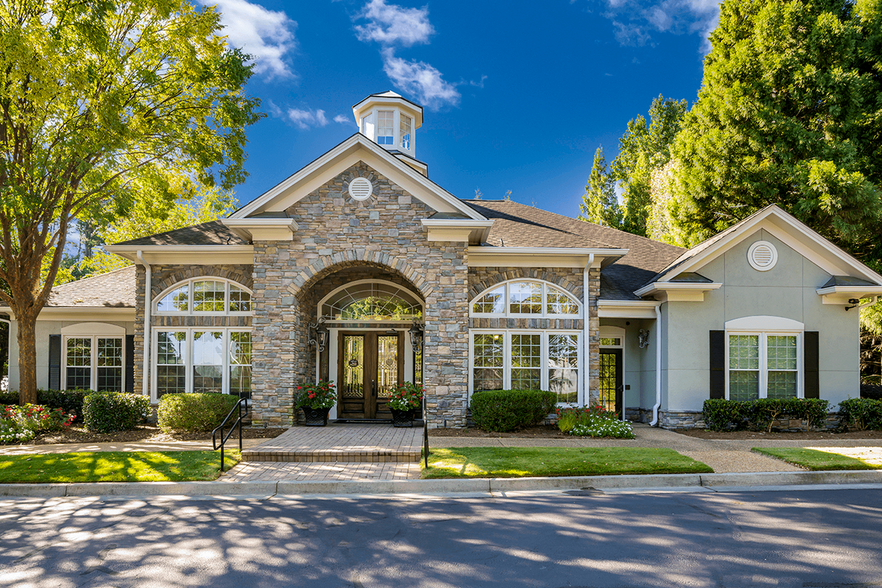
{"type": "Point", "coordinates": [586, 334]}
{"type": "Point", "coordinates": [148, 303]}
{"type": "Point", "coordinates": [658, 358]}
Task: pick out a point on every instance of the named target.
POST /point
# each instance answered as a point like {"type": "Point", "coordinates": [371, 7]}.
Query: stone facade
{"type": "Point", "coordinates": [381, 237]}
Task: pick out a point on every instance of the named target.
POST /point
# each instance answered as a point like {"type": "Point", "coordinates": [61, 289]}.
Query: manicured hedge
{"type": "Point", "coordinates": [193, 412]}
{"type": "Point", "coordinates": [507, 410]}
{"type": "Point", "coordinates": [108, 412]}
{"type": "Point", "coordinates": [872, 391]}
{"type": "Point", "coordinates": [70, 401]}
{"type": "Point", "coordinates": [861, 414]}
{"type": "Point", "coordinates": [732, 415]}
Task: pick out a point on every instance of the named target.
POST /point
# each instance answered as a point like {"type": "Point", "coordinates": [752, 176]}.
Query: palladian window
{"type": "Point", "coordinates": [526, 298]}
{"type": "Point", "coordinates": [367, 300]}
{"type": "Point", "coordinates": [204, 296]}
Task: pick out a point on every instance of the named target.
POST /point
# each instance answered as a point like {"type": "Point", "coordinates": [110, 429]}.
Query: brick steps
{"type": "Point", "coordinates": [335, 455]}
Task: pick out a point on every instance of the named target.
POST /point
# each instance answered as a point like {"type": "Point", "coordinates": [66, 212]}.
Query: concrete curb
{"type": "Point", "coordinates": [444, 486]}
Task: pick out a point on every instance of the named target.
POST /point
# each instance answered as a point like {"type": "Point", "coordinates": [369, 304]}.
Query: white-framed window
{"type": "Point", "coordinates": [201, 359]}
{"type": "Point", "coordinates": [526, 359]}
{"type": "Point", "coordinates": [525, 298]}
{"type": "Point", "coordinates": [204, 295]}
{"type": "Point", "coordinates": [385, 127]}
{"type": "Point", "coordinates": [93, 363]}
{"type": "Point", "coordinates": [371, 300]}
{"type": "Point", "coordinates": [763, 365]}
{"type": "Point", "coordinates": [405, 129]}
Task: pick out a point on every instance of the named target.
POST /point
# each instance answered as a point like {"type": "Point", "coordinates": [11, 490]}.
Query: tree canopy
{"type": "Point", "coordinates": [103, 104]}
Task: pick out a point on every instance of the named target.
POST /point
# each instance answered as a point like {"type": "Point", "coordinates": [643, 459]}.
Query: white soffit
{"type": "Point", "coordinates": [627, 309]}
{"type": "Point", "coordinates": [187, 254]}
{"type": "Point", "coordinates": [792, 233]}
{"type": "Point", "coordinates": [348, 153]}
{"type": "Point", "coordinates": [482, 256]}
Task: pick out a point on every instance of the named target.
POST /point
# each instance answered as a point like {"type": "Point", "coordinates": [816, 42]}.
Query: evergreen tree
{"type": "Point", "coordinates": [599, 203]}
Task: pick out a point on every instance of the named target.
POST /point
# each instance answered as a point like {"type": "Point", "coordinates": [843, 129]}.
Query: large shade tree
{"type": "Point", "coordinates": [102, 103]}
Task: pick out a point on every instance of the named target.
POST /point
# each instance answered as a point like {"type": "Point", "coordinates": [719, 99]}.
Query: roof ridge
{"type": "Point", "coordinates": [94, 277]}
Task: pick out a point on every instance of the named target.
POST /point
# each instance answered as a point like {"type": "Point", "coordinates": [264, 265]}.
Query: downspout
{"type": "Point", "coordinates": [658, 359]}
{"type": "Point", "coordinates": [145, 389]}
{"type": "Point", "coordinates": [586, 334]}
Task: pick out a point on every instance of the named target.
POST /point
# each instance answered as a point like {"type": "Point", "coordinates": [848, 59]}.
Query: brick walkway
{"type": "Point", "coordinates": [262, 471]}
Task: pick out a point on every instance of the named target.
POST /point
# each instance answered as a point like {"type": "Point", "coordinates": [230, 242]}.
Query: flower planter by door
{"type": "Point", "coordinates": [402, 418]}
{"type": "Point", "coordinates": [316, 417]}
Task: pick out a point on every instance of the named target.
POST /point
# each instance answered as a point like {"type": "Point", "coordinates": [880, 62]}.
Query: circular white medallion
{"type": "Point", "coordinates": [762, 256]}
{"type": "Point", "coordinates": [360, 189]}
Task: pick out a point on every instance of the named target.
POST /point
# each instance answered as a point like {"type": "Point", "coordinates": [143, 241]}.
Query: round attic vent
{"type": "Point", "coordinates": [762, 256]}
{"type": "Point", "coordinates": [361, 189]}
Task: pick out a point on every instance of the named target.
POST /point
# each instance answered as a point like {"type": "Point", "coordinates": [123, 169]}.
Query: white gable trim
{"type": "Point", "coordinates": [354, 149]}
{"type": "Point", "coordinates": [791, 232]}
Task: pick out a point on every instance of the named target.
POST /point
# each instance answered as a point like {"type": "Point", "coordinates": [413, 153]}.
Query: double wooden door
{"type": "Point", "coordinates": [370, 364]}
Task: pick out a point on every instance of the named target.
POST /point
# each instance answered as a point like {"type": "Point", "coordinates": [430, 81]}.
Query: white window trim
{"type": "Point", "coordinates": [187, 355]}
{"type": "Point", "coordinates": [543, 369]}
{"type": "Point", "coordinates": [190, 312]}
{"type": "Point", "coordinates": [113, 333]}
{"type": "Point", "coordinates": [610, 332]}
{"type": "Point", "coordinates": [369, 281]}
{"type": "Point", "coordinates": [763, 359]}
{"type": "Point", "coordinates": [507, 296]}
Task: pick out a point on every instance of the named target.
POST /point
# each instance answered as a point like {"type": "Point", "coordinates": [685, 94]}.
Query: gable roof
{"type": "Point", "coordinates": [210, 233]}
{"type": "Point", "coordinates": [114, 289]}
{"type": "Point", "coordinates": [519, 225]}
{"type": "Point", "coordinates": [796, 234]}
{"type": "Point", "coordinates": [314, 174]}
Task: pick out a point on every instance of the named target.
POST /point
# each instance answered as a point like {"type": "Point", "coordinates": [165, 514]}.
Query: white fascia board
{"type": "Point", "coordinates": [677, 286]}
{"type": "Point", "coordinates": [792, 233]}
{"type": "Point", "coordinates": [408, 176]}
{"type": "Point", "coordinates": [842, 294]}
{"type": "Point", "coordinates": [190, 254]}
{"type": "Point", "coordinates": [82, 313]}
{"type": "Point", "coordinates": [575, 257]}
{"type": "Point", "coordinates": [457, 230]}
{"type": "Point", "coordinates": [262, 229]}
{"type": "Point", "coordinates": [627, 309]}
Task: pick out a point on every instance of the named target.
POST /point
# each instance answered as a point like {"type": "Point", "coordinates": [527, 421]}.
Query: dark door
{"type": "Point", "coordinates": [611, 380]}
{"type": "Point", "coordinates": [370, 364]}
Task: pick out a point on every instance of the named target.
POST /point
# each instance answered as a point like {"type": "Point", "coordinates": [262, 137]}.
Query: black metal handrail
{"type": "Point", "coordinates": [425, 433]}
{"type": "Point", "coordinates": [240, 406]}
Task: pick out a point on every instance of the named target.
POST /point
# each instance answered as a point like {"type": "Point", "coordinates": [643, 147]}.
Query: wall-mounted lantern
{"type": "Point", "coordinates": [318, 334]}
{"type": "Point", "coordinates": [416, 336]}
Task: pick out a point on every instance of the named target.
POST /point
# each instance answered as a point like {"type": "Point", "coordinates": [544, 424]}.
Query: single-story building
{"type": "Point", "coordinates": [361, 270]}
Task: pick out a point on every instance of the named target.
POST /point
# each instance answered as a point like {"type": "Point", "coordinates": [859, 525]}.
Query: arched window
{"type": "Point", "coordinates": [204, 296]}
{"type": "Point", "coordinates": [525, 298]}
{"type": "Point", "coordinates": [371, 300]}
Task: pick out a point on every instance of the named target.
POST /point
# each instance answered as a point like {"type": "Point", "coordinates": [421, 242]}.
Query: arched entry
{"type": "Point", "coordinates": [369, 344]}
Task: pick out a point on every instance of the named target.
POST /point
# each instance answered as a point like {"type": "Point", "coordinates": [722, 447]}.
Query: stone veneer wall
{"type": "Point", "coordinates": [336, 232]}
{"type": "Point", "coordinates": [165, 276]}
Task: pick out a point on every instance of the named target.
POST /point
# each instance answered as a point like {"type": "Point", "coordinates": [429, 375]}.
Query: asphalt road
{"type": "Point", "coordinates": [809, 539]}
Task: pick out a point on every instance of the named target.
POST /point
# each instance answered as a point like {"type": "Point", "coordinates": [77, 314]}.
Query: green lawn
{"type": "Point", "coordinates": [812, 459]}
{"type": "Point", "coordinates": [515, 462]}
{"type": "Point", "coordinates": [115, 466]}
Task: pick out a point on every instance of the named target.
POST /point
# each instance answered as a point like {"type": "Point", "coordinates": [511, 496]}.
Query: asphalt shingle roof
{"type": "Point", "coordinates": [114, 289]}
{"type": "Point", "coordinates": [210, 233]}
{"type": "Point", "coordinates": [518, 225]}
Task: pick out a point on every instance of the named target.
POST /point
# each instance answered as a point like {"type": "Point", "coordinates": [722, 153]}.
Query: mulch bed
{"type": "Point", "coordinates": [536, 432]}
{"type": "Point", "coordinates": [143, 434]}
{"type": "Point", "coordinates": [804, 435]}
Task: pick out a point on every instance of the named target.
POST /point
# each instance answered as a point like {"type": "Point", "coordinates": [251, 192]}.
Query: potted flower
{"type": "Point", "coordinates": [404, 400]}
{"type": "Point", "coordinates": [316, 401]}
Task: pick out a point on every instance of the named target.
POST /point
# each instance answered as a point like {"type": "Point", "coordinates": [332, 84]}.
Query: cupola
{"type": "Point", "coordinates": [391, 122]}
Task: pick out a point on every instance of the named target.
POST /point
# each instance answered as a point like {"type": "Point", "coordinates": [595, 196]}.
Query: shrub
{"type": "Point", "coordinates": [70, 401]}
{"type": "Point", "coordinates": [733, 415]}
{"type": "Point", "coordinates": [194, 412]}
{"type": "Point", "coordinates": [569, 417]}
{"type": "Point", "coordinates": [8, 398]}
{"type": "Point", "coordinates": [593, 421]}
{"type": "Point", "coordinates": [107, 412]}
{"type": "Point", "coordinates": [861, 413]}
{"type": "Point", "coordinates": [872, 391]}
{"type": "Point", "coordinates": [19, 424]}
{"type": "Point", "coordinates": [507, 410]}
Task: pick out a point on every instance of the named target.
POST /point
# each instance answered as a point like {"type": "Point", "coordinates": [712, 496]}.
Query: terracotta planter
{"type": "Point", "coordinates": [402, 418]}
{"type": "Point", "coordinates": [316, 417]}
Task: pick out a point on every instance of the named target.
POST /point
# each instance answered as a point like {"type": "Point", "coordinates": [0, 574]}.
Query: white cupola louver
{"type": "Point", "coordinates": [762, 256]}
{"type": "Point", "coordinates": [360, 189]}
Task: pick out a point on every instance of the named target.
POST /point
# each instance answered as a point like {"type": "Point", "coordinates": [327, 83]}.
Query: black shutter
{"type": "Point", "coordinates": [717, 364]}
{"type": "Point", "coordinates": [811, 360]}
{"type": "Point", "coordinates": [54, 362]}
{"type": "Point", "coordinates": [130, 363]}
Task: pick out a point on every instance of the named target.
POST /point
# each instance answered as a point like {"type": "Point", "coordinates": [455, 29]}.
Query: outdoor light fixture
{"type": "Point", "coordinates": [643, 338]}
{"type": "Point", "coordinates": [416, 336]}
{"type": "Point", "coordinates": [318, 334]}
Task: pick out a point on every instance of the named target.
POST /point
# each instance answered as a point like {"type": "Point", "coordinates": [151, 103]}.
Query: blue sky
{"type": "Point", "coordinates": [517, 94]}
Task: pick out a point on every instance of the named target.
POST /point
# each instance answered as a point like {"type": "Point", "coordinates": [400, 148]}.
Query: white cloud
{"type": "Point", "coordinates": [635, 20]}
{"type": "Point", "coordinates": [393, 25]}
{"type": "Point", "coordinates": [266, 35]}
{"type": "Point", "coordinates": [420, 79]}
{"type": "Point", "coordinates": [306, 118]}
{"type": "Point", "coordinates": [343, 119]}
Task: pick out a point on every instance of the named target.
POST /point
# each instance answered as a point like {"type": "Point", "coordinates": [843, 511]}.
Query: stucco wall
{"type": "Point", "coordinates": [788, 290]}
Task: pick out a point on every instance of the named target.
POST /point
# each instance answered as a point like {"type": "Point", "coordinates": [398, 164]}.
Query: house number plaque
{"type": "Point", "coordinates": [353, 363]}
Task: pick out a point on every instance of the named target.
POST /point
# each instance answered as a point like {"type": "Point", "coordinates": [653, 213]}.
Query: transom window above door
{"type": "Point", "coordinates": [204, 296]}
{"type": "Point", "coordinates": [371, 300]}
{"type": "Point", "coordinates": [525, 298]}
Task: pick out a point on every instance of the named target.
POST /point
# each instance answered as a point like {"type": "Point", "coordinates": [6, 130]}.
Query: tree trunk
{"type": "Point", "coordinates": [27, 360]}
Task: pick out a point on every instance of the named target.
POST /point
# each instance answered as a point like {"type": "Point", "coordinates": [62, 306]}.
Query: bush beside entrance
{"type": "Point", "coordinates": [501, 411]}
